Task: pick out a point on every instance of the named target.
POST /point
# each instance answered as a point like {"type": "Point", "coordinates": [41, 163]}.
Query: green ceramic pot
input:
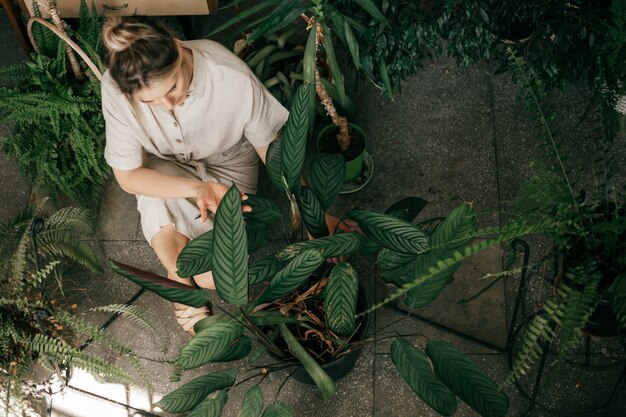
{"type": "Point", "coordinates": [354, 166]}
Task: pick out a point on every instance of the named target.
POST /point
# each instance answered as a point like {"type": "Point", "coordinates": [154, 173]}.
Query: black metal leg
{"type": "Point", "coordinates": [522, 246]}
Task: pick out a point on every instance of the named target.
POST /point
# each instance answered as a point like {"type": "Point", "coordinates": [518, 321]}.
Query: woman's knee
{"type": "Point", "coordinates": [167, 244]}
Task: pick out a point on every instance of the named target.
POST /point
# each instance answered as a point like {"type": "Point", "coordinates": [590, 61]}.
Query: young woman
{"type": "Point", "coordinates": [184, 119]}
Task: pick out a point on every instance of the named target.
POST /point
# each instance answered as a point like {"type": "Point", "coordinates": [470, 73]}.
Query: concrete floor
{"type": "Point", "coordinates": [452, 135]}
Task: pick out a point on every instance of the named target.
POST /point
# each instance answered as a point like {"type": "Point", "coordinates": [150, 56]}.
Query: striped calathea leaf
{"type": "Point", "coordinates": [230, 253]}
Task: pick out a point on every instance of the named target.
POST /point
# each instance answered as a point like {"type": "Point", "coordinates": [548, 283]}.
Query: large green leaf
{"type": "Point", "coordinates": [252, 403]}
{"type": "Point", "coordinates": [263, 270]}
{"type": "Point", "coordinates": [210, 344]}
{"type": "Point", "coordinates": [294, 139]}
{"type": "Point", "coordinates": [166, 288]}
{"type": "Point", "coordinates": [327, 174]}
{"type": "Point", "coordinates": [341, 244]}
{"type": "Point", "coordinates": [467, 380]}
{"type": "Point", "coordinates": [450, 236]}
{"type": "Point", "coordinates": [335, 69]}
{"type": "Point", "coordinates": [340, 299]}
{"type": "Point", "coordinates": [186, 397]}
{"type": "Point", "coordinates": [400, 275]}
{"type": "Point", "coordinates": [274, 165]}
{"type": "Point", "coordinates": [293, 275]}
{"type": "Point", "coordinates": [230, 254]}
{"type": "Point", "coordinates": [263, 210]}
{"type": "Point", "coordinates": [414, 368]}
{"type": "Point", "coordinates": [353, 45]}
{"type": "Point", "coordinates": [277, 409]}
{"type": "Point", "coordinates": [239, 349]}
{"type": "Point", "coordinates": [315, 371]}
{"type": "Point", "coordinates": [256, 234]}
{"type": "Point", "coordinates": [407, 209]}
{"type": "Point", "coordinates": [309, 62]}
{"type": "Point", "coordinates": [373, 10]}
{"type": "Point", "coordinates": [396, 267]}
{"type": "Point", "coordinates": [312, 213]}
{"type": "Point", "coordinates": [282, 15]}
{"type": "Point", "coordinates": [209, 321]}
{"type": "Point", "coordinates": [247, 12]}
{"type": "Point", "coordinates": [391, 232]}
{"type": "Point", "coordinates": [195, 258]}
{"type": "Point", "coordinates": [212, 406]}
{"type": "Point", "coordinates": [390, 259]}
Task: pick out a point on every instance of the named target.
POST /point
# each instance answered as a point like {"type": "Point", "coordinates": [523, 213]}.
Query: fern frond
{"type": "Point", "coordinates": [140, 316]}
{"type": "Point", "coordinates": [13, 74]}
{"type": "Point", "coordinates": [69, 217]}
{"type": "Point", "coordinates": [59, 243]}
{"type": "Point", "coordinates": [40, 276]}
{"type": "Point", "coordinates": [568, 309]}
{"type": "Point", "coordinates": [58, 351]}
{"type": "Point", "coordinates": [578, 304]}
{"type": "Point", "coordinates": [617, 295]}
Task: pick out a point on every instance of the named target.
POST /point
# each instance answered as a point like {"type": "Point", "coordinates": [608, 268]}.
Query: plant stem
{"type": "Point", "coordinates": [343, 137]}
{"type": "Point", "coordinates": [56, 19]}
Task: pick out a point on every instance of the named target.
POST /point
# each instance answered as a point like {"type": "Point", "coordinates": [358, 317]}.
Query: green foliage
{"type": "Point", "coordinates": [195, 258]}
{"type": "Point", "coordinates": [312, 213]}
{"type": "Point", "coordinates": [209, 344]}
{"type": "Point", "coordinates": [252, 403]}
{"type": "Point", "coordinates": [452, 235]}
{"type": "Point", "coordinates": [342, 244]}
{"type": "Point", "coordinates": [37, 329]}
{"type": "Point", "coordinates": [187, 396]}
{"type": "Point", "coordinates": [466, 380]}
{"type": "Point", "coordinates": [212, 406]}
{"type": "Point", "coordinates": [277, 409]}
{"type": "Point", "coordinates": [230, 256]}
{"type": "Point", "coordinates": [166, 288]}
{"type": "Point", "coordinates": [327, 174]}
{"type": "Point", "coordinates": [587, 230]}
{"type": "Point", "coordinates": [414, 367]}
{"type": "Point", "coordinates": [56, 123]}
{"type": "Point", "coordinates": [340, 299]}
{"type": "Point", "coordinates": [293, 276]}
{"type": "Point", "coordinates": [325, 383]}
{"type": "Point", "coordinates": [391, 232]}
{"type": "Point", "coordinates": [294, 139]}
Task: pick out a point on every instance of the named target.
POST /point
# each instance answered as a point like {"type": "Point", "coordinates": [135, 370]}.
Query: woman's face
{"type": "Point", "coordinates": [169, 92]}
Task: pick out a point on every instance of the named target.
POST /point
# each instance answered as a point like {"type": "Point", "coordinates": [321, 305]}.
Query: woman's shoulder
{"type": "Point", "coordinates": [212, 54]}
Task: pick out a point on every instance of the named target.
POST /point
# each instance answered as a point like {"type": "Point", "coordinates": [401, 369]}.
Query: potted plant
{"type": "Point", "coordinates": [53, 113]}
{"type": "Point", "coordinates": [40, 332]}
{"type": "Point", "coordinates": [305, 316]}
{"type": "Point", "coordinates": [586, 226]}
{"type": "Point", "coordinates": [321, 70]}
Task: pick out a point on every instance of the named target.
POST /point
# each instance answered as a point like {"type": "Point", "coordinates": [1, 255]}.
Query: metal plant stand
{"type": "Point", "coordinates": [514, 331]}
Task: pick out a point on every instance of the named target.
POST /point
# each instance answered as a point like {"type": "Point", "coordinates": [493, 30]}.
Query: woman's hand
{"type": "Point", "coordinates": [209, 196]}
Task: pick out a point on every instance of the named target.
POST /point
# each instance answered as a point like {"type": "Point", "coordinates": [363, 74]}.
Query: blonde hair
{"type": "Point", "coordinates": [139, 52]}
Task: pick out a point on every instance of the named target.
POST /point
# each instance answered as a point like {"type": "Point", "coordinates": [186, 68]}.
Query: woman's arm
{"type": "Point", "coordinates": [151, 183]}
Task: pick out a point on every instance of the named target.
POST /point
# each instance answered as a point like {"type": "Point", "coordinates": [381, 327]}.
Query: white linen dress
{"type": "Point", "coordinates": [210, 136]}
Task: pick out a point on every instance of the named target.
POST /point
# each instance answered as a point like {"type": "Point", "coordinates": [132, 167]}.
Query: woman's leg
{"type": "Point", "coordinates": [167, 244]}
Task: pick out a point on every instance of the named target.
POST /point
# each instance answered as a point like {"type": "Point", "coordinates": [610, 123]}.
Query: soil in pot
{"type": "Point", "coordinates": [327, 143]}
{"type": "Point", "coordinates": [335, 361]}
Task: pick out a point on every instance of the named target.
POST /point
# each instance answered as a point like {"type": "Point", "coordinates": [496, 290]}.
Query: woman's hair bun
{"type": "Point", "coordinates": [119, 34]}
